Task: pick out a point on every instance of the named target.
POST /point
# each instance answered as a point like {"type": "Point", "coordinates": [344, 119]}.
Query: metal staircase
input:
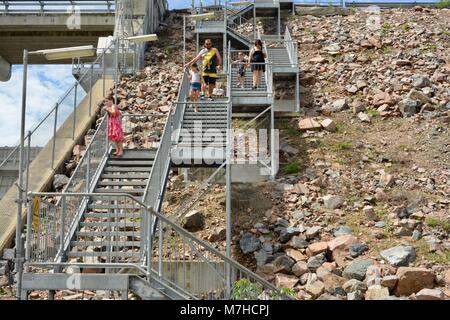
{"type": "Point", "coordinates": [107, 224]}
{"type": "Point", "coordinates": [104, 227]}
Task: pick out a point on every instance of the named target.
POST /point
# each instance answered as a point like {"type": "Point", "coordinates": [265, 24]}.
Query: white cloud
{"type": "Point", "coordinates": [46, 84]}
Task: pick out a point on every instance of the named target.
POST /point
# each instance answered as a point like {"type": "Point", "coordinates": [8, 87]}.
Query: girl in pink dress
{"type": "Point", "coordinates": [115, 131]}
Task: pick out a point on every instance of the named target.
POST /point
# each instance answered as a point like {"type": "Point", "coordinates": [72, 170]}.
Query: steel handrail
{"type": "Point", "coordinates": [166, 221]}
{"type": "Point", "coordinates": [58, 103]}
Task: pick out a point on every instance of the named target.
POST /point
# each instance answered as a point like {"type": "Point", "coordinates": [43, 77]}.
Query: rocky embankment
{"type": "Point", "coordinates": [361, 208]}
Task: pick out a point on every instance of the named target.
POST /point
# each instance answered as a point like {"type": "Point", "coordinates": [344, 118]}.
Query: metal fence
{"type": "Point", "coordinates": [85, 6]}
{"type": "Point", "coordinates": [59, 114]}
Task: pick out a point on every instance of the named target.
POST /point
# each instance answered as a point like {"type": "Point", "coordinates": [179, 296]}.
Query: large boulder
{"type": "Point", "coordinates": [194, 221]}
{"type": "Point", "coordinates": [60, 181]}
{"type": "Point", "coordinates": [249, 243]}
{"type": "Point", "coordinates": [283, 264]}
{"type": "Point", "coordinates": [412, 280]}
{"type": "Point", "coordinates": [399, 256]}
{"type": "Point", "coordinates": [340, 248]}
{"type": "Point", "coordinates": [357, 269]}
{"type": "Point", "coordinates": [285, 281]}
{"type": "Point", "coordinates": [377, 292]}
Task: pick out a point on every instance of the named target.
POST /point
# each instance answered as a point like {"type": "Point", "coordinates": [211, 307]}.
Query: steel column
{"type": "Point", "coordinates": [19, 254]}
{"type": "Point", "coordinates": [54, 135]}
{"type": "Point", "coordinates": [90, 89]}
{"type": "Point", "coordinates": [74, 111]}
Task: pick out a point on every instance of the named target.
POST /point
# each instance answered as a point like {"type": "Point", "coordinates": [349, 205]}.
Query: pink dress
{"type": "Point", "coordinates": [115, 131]}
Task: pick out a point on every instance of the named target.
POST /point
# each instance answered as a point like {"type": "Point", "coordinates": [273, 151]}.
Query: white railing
{"type": "Point", "coordinates": [291, 47]}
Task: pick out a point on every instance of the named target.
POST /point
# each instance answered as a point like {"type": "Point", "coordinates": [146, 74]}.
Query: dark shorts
{"type": "Point", "coordinates": [257, 67]}
{"type": "Point", "coordinates": [195, 86]}
{"type": "Point", "coordinates": [209, 80]}
{"type": "Point", "coordinates": [241, 71]}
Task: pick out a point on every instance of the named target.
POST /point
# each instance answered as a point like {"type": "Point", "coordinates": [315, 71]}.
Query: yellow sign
{"type": "Point", "coordinates": [35, 211]}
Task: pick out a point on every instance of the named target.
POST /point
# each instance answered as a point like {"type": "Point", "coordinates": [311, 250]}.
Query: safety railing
{"type": "Point", "coordinates": [98, 236]}
{"type": "Point", "coordinates": [274, 2]}
{"type": "Point", "coordinates": [156, 183]}
{"type": "Point", "coordinates": [244, 27]}
{"type": "Point", "coordinates": [291, 46]}
{"type": "Point", "coordinates": [179, 258]}
{"type": "Point", "coordinates": [174, 257]}
{"type": "Point", "coordinates": [66, 106]}
{"type": "Point", "coordinates": [181, 103]}
{"type": "Point", "coordinates": [84, 6]}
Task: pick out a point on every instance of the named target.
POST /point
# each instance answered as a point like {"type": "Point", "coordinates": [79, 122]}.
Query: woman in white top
{"type": "Point", "coordinates": [257, 60]}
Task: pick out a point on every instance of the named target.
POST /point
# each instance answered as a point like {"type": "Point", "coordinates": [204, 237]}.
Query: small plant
{"type": "Point", "coordinates": [446, 33]}
{"type": "Point", "coordinates": [385, 28]}
{"type": "Point", "coordinates": [340, 127]}
{"type": "Point", "coordinates": [443, 4]}
{"type": "Point", "coordinates": [282, 294]}
{"type": "Point", "coordinates": [343, 145]}
{"type": "Point", "coordinates": [405, 26]}
{"type": "Point", "coordinates": [433, 222]}
{"type": "Point", "coordinates": [292, 167]}
{"type": "Point", "coordinates": [386, 50]}
{"type": "Point", "coordinates": [288, 291]}
{"type": "Point", "coordinates": [373, 113]}
{"type": "Point", "coordinates": [243, 289]}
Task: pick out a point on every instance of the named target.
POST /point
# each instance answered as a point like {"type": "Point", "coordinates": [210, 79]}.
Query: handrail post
{"type": "Point", "coordinates": [88, 169]}
{"type": "Point", "coordinates": [62, 227]}
{"type": "Point", "coordinates": [90, 89]}
{"type": "Point", "coordinates": [74, 111]}
{"type": "Point", "coordinates": [29, 229]}
{"type": "Point", "coordinates": [27, 166]}
{"type": "Point", "coordinates": [104, 71]}
{"type": "Point", "coordinates": [54, 135]}
{"type": "Point", "coordinates": [148, 226]}
{"type": "Point", "coordinates": [160, 244]}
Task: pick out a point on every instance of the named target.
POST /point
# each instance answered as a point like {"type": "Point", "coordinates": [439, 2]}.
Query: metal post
{"type": "Point", "coordinates": [88, 168]}
{"type": "Point", "coordinates": [28, 162]}
{"type": "Point", "coordinates": [54, 135]}
{"type": "Point", "coordinates": [297, 92]}
{"type": "Point", "coordinates": [19, 261]}
{"type": "Point", "coordinates": [279, 21]}
{"type": "Point", "coordinates": [228, 192]}
{"type": "Point", "coordinates": [90, 89]}
{"type": "Point", "coordinates": [160, 245]}
{"type": "Point", "coordinates": [225, 56]}
{"type": "Point", "coordinates": [254, 22]}
{"type": "Point", "coordinates": [62, 229]}
{"type": "Point", "coordinates": [116, 70]}
{"type": "Point", "coordinates": [272, 143]}
{"type": "Point", "coordinates": [104, 71]}
{"type": "Point", "coordinates": [148, 226]}
{"type": "Point", "coordinates": [28, 235]}
{"type": "Point", "coordinates": [184, 40]}
{"type": "Point", "coordinates": [74, 111]}
{"type": "Point", "coordinates": [198, 42]}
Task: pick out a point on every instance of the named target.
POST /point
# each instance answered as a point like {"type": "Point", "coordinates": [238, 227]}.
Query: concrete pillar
{"type": "Point", "coordinates": [5, 70]}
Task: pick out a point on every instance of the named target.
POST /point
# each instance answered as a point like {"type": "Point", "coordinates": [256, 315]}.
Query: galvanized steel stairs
{"type": "Point", "coordinates": [108, 227]}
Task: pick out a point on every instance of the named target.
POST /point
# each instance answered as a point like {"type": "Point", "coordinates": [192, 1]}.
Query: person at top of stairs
{"type": "Point", "coordinates": [257, 60]}
{"type": "Point", "coordinates": [115, 130]}
{"type": "Point", "coordinates": [211, 63]}
{"type": "Point", "coordinates": [195, 77]}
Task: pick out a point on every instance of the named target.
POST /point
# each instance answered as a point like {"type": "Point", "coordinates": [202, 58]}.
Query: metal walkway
{"type": "Point", "coordinates": [106, 232]}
